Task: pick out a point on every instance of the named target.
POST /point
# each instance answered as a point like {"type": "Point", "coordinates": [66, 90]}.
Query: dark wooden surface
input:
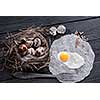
{"type": "Point", "coordinates": [88, 24]}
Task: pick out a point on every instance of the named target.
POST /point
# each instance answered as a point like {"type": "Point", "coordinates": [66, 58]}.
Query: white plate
{"type": "Point", "coordinates": [60, 70]}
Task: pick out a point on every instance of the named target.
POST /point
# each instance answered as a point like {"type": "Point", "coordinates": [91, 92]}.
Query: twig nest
{"type": "Point", "coordinates": [40, 51]}
{"type": "Point", "coordinates": [61, 29]}
{"type": "Point", "coordinates": [26, 58]}
{"type": "Point", "coordinates": [37, 42]}
{"type": "Point", "coordinates": [53, 31]}
{"type": "Point", "coordinates": [21, 50]}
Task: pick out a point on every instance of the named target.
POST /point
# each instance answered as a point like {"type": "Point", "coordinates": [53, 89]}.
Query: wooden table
{"type": "Point", "coordinates": [88, 24]}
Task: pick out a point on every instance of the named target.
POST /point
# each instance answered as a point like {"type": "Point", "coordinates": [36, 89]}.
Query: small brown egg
{"type": "Point", "coordinates": [31, 51]}
{"type": "Point", "coordinates": [37, 42]}
{"type": "Point", "coordinates": [40, 50]}
{"type": "Point", "coordinates": [22, 49]}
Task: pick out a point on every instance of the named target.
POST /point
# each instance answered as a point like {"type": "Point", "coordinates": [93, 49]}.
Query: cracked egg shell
{"type": "Point", "coordinates": [53, 31]}
{"type": "Point", "coordinates": [61, 29]}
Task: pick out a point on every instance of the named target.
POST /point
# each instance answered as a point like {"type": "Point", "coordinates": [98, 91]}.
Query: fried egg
{"type": "Point", "coordinates": [71, 60]}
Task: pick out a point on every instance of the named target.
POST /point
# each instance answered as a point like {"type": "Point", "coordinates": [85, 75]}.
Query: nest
{"type": "Point", "coordinates": [12, 59]}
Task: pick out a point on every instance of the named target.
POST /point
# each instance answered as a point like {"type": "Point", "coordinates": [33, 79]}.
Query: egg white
{"type": "Point", "coordinates": [74, 61]}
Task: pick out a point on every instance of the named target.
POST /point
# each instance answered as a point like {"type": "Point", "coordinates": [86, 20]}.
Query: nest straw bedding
{"type": "Point", "coordinates": [13, 61]}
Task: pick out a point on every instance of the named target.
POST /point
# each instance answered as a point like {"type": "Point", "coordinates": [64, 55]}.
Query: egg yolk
{"type": "Point", "coordinates": [63, 56]}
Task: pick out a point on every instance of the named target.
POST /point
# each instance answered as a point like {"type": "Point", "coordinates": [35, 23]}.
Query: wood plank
{"type": "Point", "coordinates": [90, 27]}
{"type": "Point", "coordinates": [8, 20]}
{"type": "Point", "coordinates": [37, 80]}
{"type": "Point", "coordinates": [8, 24]}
